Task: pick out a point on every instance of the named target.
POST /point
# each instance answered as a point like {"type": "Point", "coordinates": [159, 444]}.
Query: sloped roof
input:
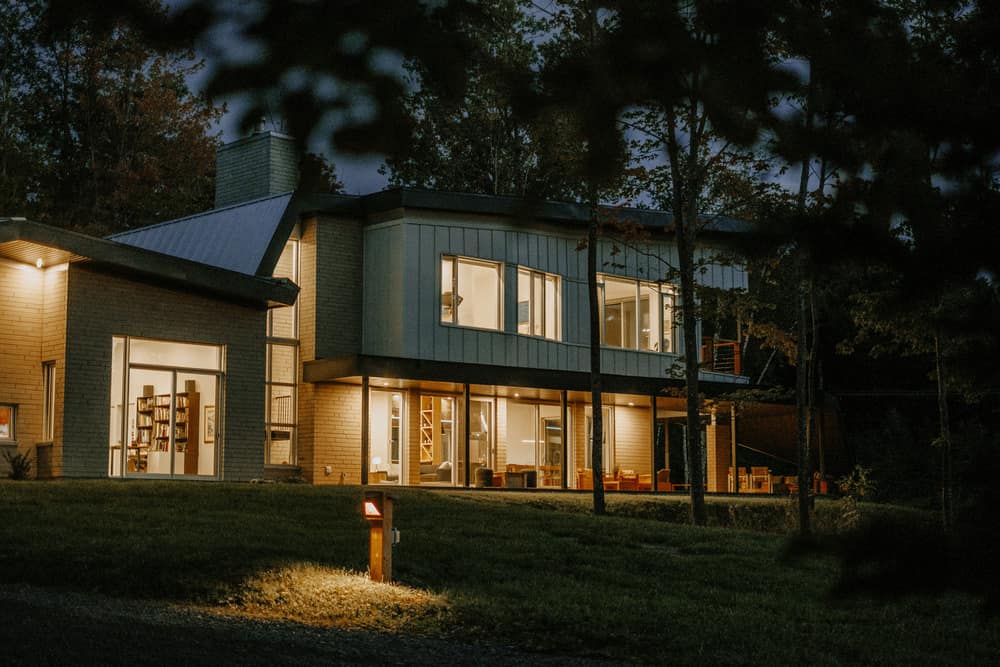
{"type": "Point", "coordinates": [242, 237]}
{"type": "Point", "coordinates": [23, 241]}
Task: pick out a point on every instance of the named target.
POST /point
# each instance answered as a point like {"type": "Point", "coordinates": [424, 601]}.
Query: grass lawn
{"type": "Point", "coordinates": [528, 569]}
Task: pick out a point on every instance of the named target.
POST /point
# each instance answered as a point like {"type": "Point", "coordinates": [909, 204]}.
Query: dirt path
{"type": "Point", "coordinates": [45, 627]}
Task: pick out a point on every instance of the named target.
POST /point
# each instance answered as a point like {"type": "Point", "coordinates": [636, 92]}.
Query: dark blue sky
{"type": "Point", "coordinates": [359, 175]}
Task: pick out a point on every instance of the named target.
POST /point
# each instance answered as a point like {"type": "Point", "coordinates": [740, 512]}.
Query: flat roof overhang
{"type": "Point", "coordinates": [451, 375]}
{"type": "Point", "coordinates": [25, 241]}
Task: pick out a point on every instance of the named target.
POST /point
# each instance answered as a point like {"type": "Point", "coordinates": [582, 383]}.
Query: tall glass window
{"type": "Point", "coordinates": [471, 294]}
{"type": "Point", "coordinates": [539, 304]}
{"type": "Point", "coordinates": [48, 401]}
{"type": "Point", "coordinates": [166, 408]}
{"type": "Point", "coordinates": [281, 410]}
{"type": "Point", "coordinates": [636, 315]}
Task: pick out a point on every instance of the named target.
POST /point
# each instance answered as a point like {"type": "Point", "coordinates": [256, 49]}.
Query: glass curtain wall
{"type": "Point", "coordinates": [165, 408]}
{"type": "Point", "coordinates": [535, 442]}
{"type": "Point", "coordinates": [387, 447]}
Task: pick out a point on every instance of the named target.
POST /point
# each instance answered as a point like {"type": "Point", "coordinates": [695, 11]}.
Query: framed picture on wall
{"type": "Point", "coordinates": [209, 423]}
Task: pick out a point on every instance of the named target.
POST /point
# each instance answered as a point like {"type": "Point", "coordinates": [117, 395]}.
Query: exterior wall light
{"type": "Point", "coordinates": [38, 263]}
{"type": "Point", "coordinates": [377, 510]}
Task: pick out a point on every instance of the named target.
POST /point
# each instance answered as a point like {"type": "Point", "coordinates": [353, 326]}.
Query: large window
{"type": "Point", "coordinates": [637, 315]}
{"type": "Point", "coordinates": [538, 304]}
{"type": "Point", "coordinates": [471, 294]}
{"type": "Point", "coordinates": [166, 408]}
{"type": "Point", "coordinates": [281, 412]}
{"type": "Point", "coordinates": [48, 401]}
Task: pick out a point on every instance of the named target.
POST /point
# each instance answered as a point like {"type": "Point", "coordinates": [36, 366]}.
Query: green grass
{"type": "Point", "coordinates": [529, 569]}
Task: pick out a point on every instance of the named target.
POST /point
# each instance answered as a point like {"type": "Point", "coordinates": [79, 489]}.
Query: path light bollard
{"type": "Point", "coordinates": [377, 509]}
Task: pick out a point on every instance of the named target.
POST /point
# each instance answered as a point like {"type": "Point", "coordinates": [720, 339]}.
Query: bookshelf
{"type": "Point", "coordinates": [152, 431]}
{"type": "Point", "coordinates": [426, 429]}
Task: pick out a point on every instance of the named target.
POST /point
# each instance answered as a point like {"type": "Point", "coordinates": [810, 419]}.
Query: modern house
{"type": "Point", "coordinates": [436, 339]}
{"type": "Point", "coordinates": [116, 360]}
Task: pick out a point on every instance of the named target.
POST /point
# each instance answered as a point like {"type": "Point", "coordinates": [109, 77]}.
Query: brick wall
{"type": "Point", "coordinates": [101, 305]}
{"type": "Point", "coordinates": [22, 295]}
{"type": "Point", "coordinates": [257, 166]}
{"type": "Point", "coordinates": [337, 435]}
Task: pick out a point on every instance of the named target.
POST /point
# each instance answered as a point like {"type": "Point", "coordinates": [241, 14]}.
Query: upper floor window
{"type": "Point", "coordinates": [636, 315]}
{"type": "Point", "coordinates": [471, 293]}
{"type": "Point", "coordinates": [538, 304]}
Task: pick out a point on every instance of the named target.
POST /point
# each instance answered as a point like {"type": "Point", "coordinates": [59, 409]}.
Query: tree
{"type": "Point", "coordinates": [479, 143]}
{"type": "Point", "coordinates": [700, 73]}
{"type": "Point", "coordinates": [112, 135]}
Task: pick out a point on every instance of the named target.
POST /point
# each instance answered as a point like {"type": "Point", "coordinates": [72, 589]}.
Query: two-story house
{"type": "Point", "coordinates": [438, 335]}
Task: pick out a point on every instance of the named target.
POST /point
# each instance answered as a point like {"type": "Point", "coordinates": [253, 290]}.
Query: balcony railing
{"type": "Point", "coordinates": [721, 357]}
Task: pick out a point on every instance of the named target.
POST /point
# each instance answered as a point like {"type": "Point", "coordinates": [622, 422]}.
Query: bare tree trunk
{"type": "Point", "coordinates": [597, 414]}
{"type": "Point", "coordinates": [947, 490]}
{"type": "Point", "coordinates": [685, 250]}
{"type": "Point", "coordinates": [803, 382]}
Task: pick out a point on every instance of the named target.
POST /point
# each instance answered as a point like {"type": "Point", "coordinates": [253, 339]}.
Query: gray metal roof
{"type": "Point", "coordinates": [25, 241]}
{"type": "Point", "coordinates": [531, 209]}
{"type": "Point", "coordinates": [236, 237]}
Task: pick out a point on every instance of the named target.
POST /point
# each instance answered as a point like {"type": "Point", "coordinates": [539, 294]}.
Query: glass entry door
{"type": "Point", "coordinates": [387, 456]}
{"type": "Point", "coordinates": [173, 423]}
{"type": "Point", "coordinates": [437, 440]}
{"type": "Point", "coordinates": [482, 452]}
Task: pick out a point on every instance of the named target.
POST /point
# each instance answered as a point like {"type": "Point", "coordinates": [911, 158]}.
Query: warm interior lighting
{"type": "Point", "coordinates": [38, 263]}
{"type": "Point", "coordinates": [372, 511]}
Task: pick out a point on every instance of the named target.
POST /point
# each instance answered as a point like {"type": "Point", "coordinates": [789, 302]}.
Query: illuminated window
{"type": "Point", "coordinates": [637, 315]}
{"type": "Point", "coordinates": [471, 293]}
{"type": "Point", "coordinates": [48, 401]}
{"type": "Point", "coordinates": [7, 413]}
{"type": "Point", "coordinates": [281, 412]}
{"type": "Point", "coordinates": [539, 309]}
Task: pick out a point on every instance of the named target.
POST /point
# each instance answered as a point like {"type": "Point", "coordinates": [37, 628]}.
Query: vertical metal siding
{"type": "Point", "coordinates": [402, 294]}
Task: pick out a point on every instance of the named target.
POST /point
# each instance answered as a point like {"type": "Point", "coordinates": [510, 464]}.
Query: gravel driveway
{"type": "Point", "coordinates": [45, 627]}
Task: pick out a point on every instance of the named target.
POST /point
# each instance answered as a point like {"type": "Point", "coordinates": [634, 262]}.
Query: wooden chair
{"type": "Point", "coordinates": [760, 479]}
{"type": "Point", "coordinates": [645, 481]}
{"type": "Point", "coordinates": [628, 480]}
{"type": "Point", "coordinates": [584, 478]}
{"type": "Point", "coordinates": [663, 480]}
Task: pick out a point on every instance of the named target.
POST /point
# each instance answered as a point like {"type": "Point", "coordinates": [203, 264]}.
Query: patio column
{"type": "Point", "coordinates": [468, 450]}
{"type": "Point", "coordinates": [652, 442]}
{"type": "Point", "coordinates": [563, 413]}
{"type": "Point", "coordinates": [732, 434]}
{"type": "Point", "coordinates": [365, 435]}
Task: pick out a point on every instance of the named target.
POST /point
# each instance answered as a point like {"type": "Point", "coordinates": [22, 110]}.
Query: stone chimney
{"type": "Point", "coordinates": [263, 164]}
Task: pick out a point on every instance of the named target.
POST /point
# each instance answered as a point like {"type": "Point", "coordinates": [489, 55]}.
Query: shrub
{"type": "Point", "coordinates": [20, 465]}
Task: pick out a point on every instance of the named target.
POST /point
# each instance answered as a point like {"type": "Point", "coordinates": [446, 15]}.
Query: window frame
{"type": "Point", "coordinates": [455, 261]}
{"type": "Point", "coordinates": [11, 437]}
{"type": "Point", "coordinates": [294, 245]}
{"type": "Point", "coordinates": [666, 297]}
{"type": "Point", "coordinates": [48, 401]}
{"type": "Point", "coordinates": [542, 277]}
